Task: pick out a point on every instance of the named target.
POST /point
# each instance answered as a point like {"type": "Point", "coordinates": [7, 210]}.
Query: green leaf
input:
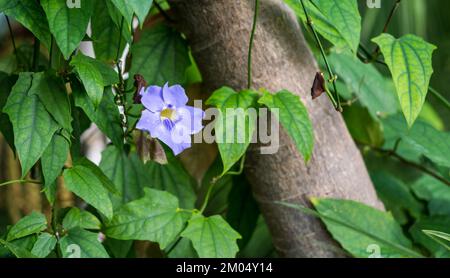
{"type": "Point", "coordinates": [68, 25]}
{"type": "Point", "coordinates": [372, 89]}
{"type": "Point", "coordinates": [243, 211]}
{"type": "Point", "coordinates": [409, 60]}
{"type": "Point", "coordinates": [125, 9]}
{"type": "Point", "coordinates": [52, 92]}
{"type": "Point", "coordinates": [44, 245]}
{"type": "Point", "coordinates": [260, 244]}
{"type": "Point", "coordinates": [344, 16]}
{"type": "Point", "coordinates": [218, 199]}
{"type": "Point", "coordinates": [31, 15]}
{"type": "Point", "coordinates": [53, 159]}
{"type": "Point", "coordinates": [90, 76]}
{"type": "Point", "coordinates": [160, 56]}
{"type": "Point", "coordinates": [79, 243]}
{"type": "Point", "coordinates": [105, 34]}
{"type": "Point", "coordinates": [435, 192]}
{"type": "Point", "coordinates": [396, 196]}
{"type": "Point", "coordinates": [18, 251]}
{"type": "Point", "coordinates": [106, 117]}
{"type": "Point", "coordinates": [322, 24]}
{"type": "Point", "coordinates": [33, 126]}
{"type": "Point", "coordinates": [173, 178]}
{"type": "Point", "coordinates": [80, 218]}
{"type": "Point", "coordinates": [440, 237]}
{"type": "Point", "coordinates": [127, 173]}
{"type": "Point", "coordinates": [346, 220]}
{"type": "Point", "coordinates": [30, 224]}
{"type": "Point", "coordinates": [72, 219]}
{"type": "Point", "coordinates": [106, 182]}
{"type": "Point", "coordinates": [294, 117]}
{"type": "Point", "coordinates": [6, 128]}
{"type": "Point", "coordinates": [421, 137]}
{"type": "Point", "coordinates": [155, 217]}
{"type": "Point", "coordinates": [183, 249]}
{"type": "Point", "coordinates": [362, 126]}
{"type": "Point", "coordinates": [117, 17]}
{"type": "Point", "coordinates": [212, 237]}
{"type": "Point", "coordinates": [437, 223]}
{"type": "Point", "coordinates": [139, 7]}
{"type": "Point", "coordinates": [84, 183]}
{"type": "Point", "coordinates": [119, 248]}
{"type": "Point", "coordinates": [233, 128]}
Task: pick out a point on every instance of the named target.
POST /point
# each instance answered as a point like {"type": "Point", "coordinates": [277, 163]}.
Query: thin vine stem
{"type": "Point", "coordinates": [163, 12]}
{"type": "Point", "coordinates": [332, 77]}
{"type": "Point", "coordinates": [440, 97]}
{"type": "Point", "coordinates": [376, 53]}
{"type": "Point", "coordinates": [250, 46]}
{"type": "Point", "coordinates": [50, 53]}
{"type": "Point", "coordinates": [20, 181]}
{"type": "Point", "coordinates": [393, 153]}
{"type": "Point", "coordinates": [12, 35]}
{"type": "Point", "coordinates": [120, 88]}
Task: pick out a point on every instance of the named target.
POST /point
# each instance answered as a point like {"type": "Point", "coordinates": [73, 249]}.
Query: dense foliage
{"type": "Point", "coordinates": [52, 90]}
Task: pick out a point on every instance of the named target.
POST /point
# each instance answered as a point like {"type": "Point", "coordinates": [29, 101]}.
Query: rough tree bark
{"type": "Point", "coordinates": [218, 32]}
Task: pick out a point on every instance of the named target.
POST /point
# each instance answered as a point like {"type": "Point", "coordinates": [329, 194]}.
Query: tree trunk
{"type": "Point", "coordinates": [218, 32]}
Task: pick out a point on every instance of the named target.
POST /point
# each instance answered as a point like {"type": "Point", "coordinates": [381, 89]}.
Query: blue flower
{"type": "Point", "coordinates": [168, 118]}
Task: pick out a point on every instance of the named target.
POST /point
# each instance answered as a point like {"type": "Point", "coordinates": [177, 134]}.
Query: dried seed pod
{"type": "Point", "coordinates": [318, 86]}
{"type": "Point", "coordinates": [139, 84]}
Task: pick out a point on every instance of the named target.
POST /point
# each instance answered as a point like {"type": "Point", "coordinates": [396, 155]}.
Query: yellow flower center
{"type": "Point", "coordinates": [168, 114]}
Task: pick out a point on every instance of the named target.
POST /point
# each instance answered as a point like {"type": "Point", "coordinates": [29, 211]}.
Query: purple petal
{"type": "Point", "coordinates": [174, 95]}
{"type": "Point", "coordinates": [176, 141]}
{"type": "Point", "coordinates": [152, 99]}
{"type": "Point", "coordinates": [149, 121]}
{"type": "Point", "coordinates": [191, 118]}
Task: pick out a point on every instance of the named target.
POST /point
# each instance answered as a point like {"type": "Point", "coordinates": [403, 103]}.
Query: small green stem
{"type": "Point", "coordinates": [376, 53]}
{"type": "Point", "coordinates": [12, 35]}
{"type": "Point", "coordinates": [393, 153]}
{"type": "Point", "coordinates": [163, 12]}
{"type": "Point", "coordinates": [440, 97]}
{"type": "Point", "coordinates": [208, 194]}
{"type": "Point", "coordinates": [50, 53]}
{"type": "Point", "coordinates": [250, 47]}
{"type": "Point", "coordinates": [20, 181]}
{"type": "Point", "coordinates": [332, 78]}
{"type": "Point", "coordinates": [215, 179]}
{"type": "Point", "coordinates": [241, 168]}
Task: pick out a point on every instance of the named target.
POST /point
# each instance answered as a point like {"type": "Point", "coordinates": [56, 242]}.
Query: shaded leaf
{"type": "Point", "coordinates": [155, 217]}
{"type": "Point", "coordinates": [68, 25]}
{"type": "Point", "coordinates": [30, 224]}
{"type": "Point", "coordinates": [31, 15]}
{"type": "Point", "coordinates": [212, 237]}
{"type": "Point", "coordinates": [79, 243]}
{"type": "Point", "coordinates": [160, 56]}
{"type": "Point", "coordinates": [84, 183]}
{"type": "Point", "coordinates": [33, 126]}
{"type": "Point", "coordinates": [44, 244]}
